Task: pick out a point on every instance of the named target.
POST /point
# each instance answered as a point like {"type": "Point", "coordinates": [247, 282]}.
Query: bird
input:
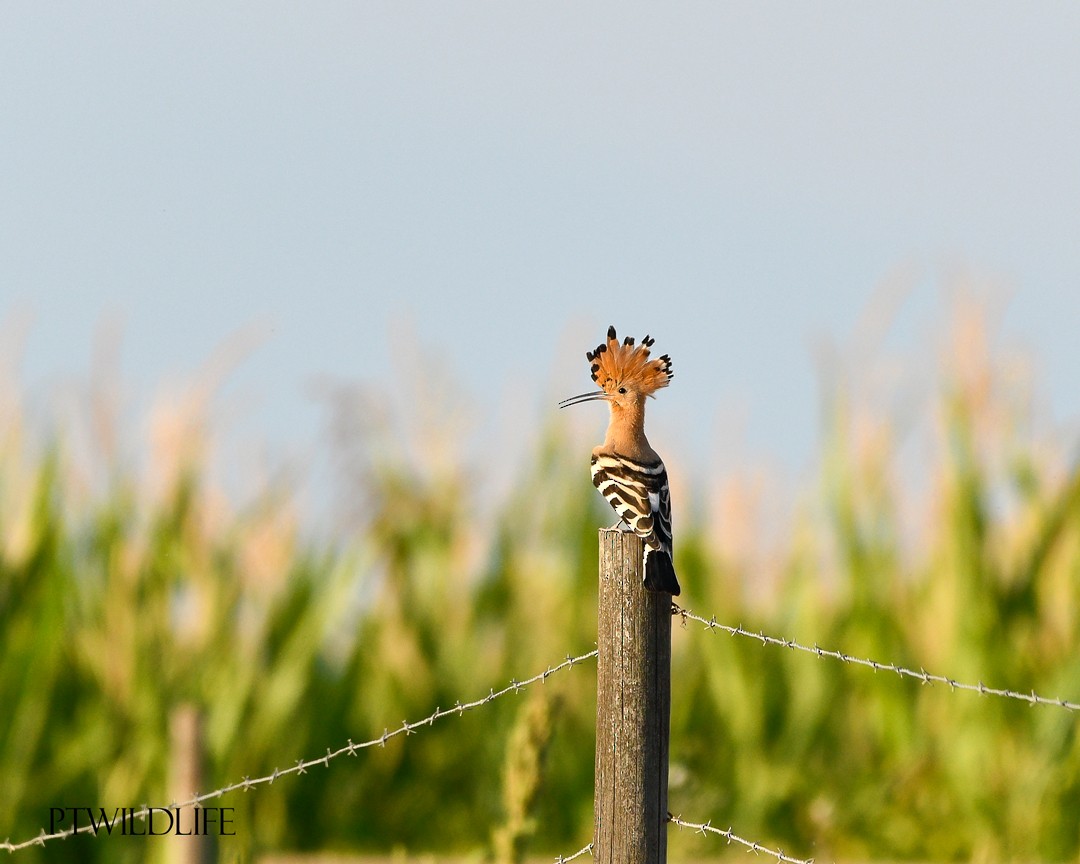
{"type": "Point", "coordinates": [625, 468]}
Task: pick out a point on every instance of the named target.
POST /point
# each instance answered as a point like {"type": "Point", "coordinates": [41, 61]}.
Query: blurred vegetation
{"type": "Point", "coordinates": [122, 600]}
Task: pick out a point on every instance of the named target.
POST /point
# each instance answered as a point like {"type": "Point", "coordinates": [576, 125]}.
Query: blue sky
{"type": "Point", "coordinates": [502, 181]}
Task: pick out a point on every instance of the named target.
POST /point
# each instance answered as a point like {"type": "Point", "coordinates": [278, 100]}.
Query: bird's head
{"type": "Point", "coordinates": [624, 373]}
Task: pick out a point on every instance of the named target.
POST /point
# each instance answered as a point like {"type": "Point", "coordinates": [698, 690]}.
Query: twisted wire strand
{"type": "Point", "coordinates": [582, 851]}
{"type": "Point", "coordinates": [706, 828]}
{"type": "Point", "coordinates": [301, 766]}
{"type": "Point", "coordinates": [921, 675]}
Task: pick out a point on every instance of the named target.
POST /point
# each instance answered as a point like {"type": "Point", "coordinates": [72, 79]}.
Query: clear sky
{"type": "Point", "coordinates": [503, 180]}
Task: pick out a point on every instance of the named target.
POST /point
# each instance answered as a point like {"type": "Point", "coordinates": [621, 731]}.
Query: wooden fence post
{"type": "Point", "coordinates": [633, 708]}
{"type": "Point", "coordinates": [185, 780]}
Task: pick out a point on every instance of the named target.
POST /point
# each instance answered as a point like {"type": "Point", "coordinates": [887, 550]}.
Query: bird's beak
{"type": "Point", "coordinates": [584, 397]}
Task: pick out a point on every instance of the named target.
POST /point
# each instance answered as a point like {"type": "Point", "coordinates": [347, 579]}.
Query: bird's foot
{"type": "Point", "coordinates": [622, 526]}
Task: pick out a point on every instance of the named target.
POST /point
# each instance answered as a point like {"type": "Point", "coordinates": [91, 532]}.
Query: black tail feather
{"type": "Point", "coordinates": [660, 573]}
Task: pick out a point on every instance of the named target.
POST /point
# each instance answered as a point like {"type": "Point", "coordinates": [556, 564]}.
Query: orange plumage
{"type": "Point", "coordinates": [616, 364]}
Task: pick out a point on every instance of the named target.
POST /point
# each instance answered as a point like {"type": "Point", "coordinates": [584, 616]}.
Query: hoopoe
{"type": "Point", "coordinates": [626, 470]}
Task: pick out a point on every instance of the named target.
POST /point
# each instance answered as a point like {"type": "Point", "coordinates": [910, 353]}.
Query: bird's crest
{"type": "Point", "coordinates": [616, 364]}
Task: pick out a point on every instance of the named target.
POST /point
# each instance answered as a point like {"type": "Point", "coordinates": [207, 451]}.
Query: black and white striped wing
{"type": "Point", "coordinates": [638, 492]}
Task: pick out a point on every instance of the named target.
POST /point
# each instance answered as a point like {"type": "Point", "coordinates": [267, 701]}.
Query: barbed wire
{"type": "Point", "coordinates": [732, 837]}
{"type": "Point", "coordinates": [582, 851]}
{"type": "Point", "coordinates": [707, 828]}
{"type": "Point", "coordinates": [301, 766]}
{"type": "Point", "coordinates": [921, 675]}
{"type": "Point", "coordinates": [407, 728]}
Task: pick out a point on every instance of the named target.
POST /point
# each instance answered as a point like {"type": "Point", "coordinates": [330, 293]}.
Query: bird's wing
{"type": "Point", "coordinates": [638, 492]}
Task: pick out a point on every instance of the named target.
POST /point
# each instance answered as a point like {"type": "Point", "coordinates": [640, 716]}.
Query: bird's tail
{"type": "Point", "coordinates": [659, 572]}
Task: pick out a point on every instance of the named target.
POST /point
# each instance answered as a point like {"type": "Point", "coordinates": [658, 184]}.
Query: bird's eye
{"type": "Point", "coordinates": [622, 390]}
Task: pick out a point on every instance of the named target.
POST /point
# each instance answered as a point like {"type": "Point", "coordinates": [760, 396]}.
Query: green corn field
{"type": "Point", "coordinates": [131, 588]}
